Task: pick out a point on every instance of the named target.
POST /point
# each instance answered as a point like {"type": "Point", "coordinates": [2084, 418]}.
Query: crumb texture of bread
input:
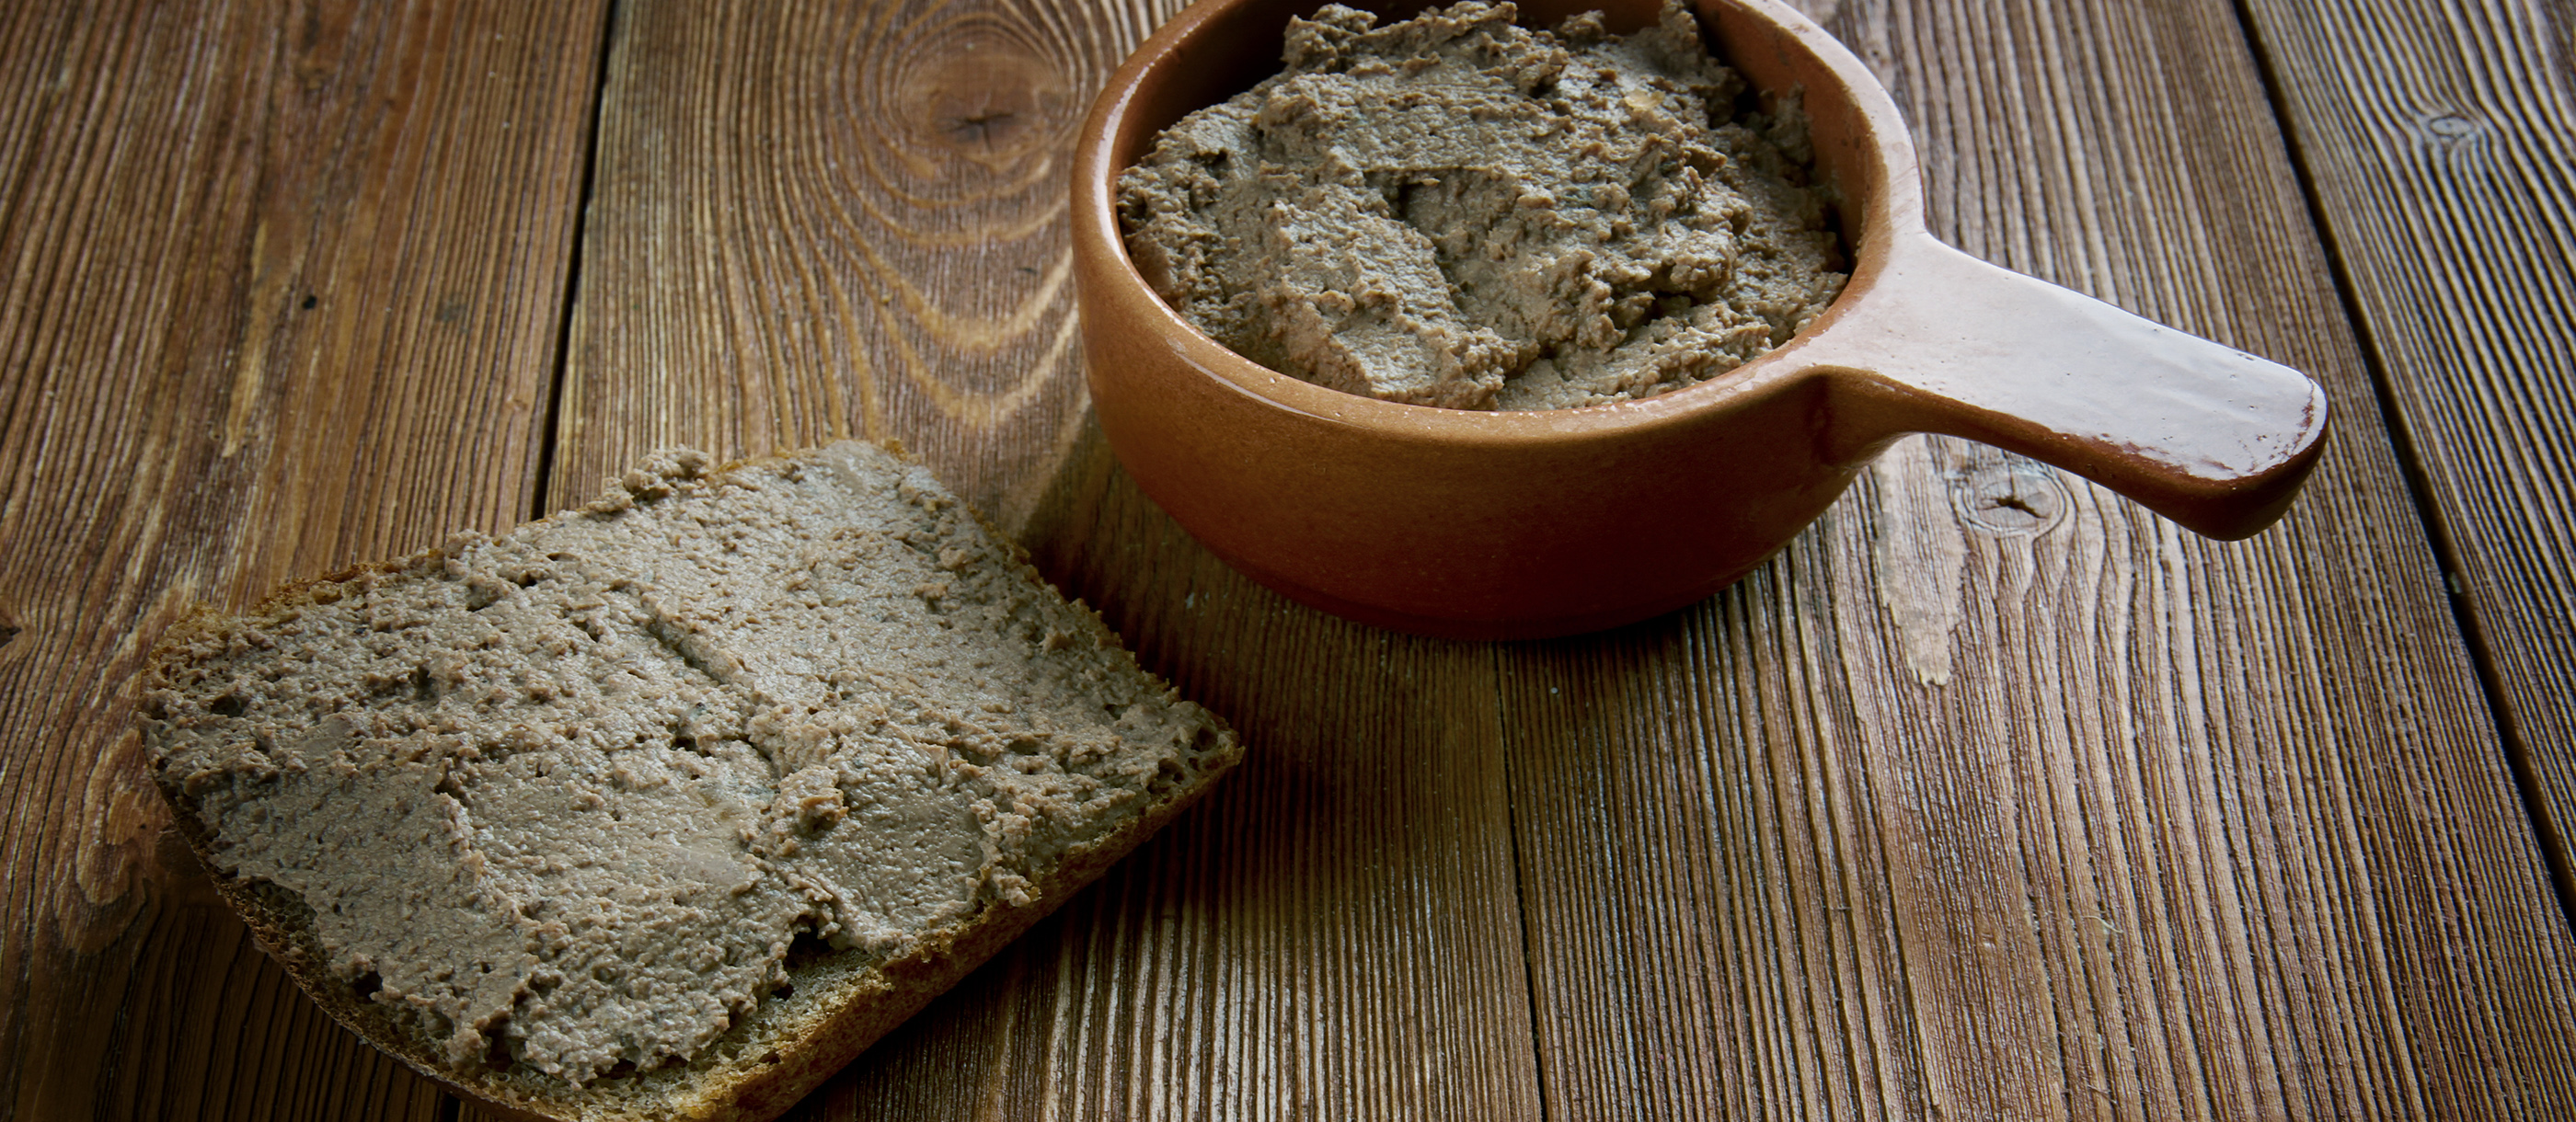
{"type": "Point", "coordinates": [562, 803]}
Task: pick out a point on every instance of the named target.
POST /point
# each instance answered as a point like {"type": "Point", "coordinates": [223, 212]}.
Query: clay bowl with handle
{"type": "Point", "coordinates": [1530, 524]}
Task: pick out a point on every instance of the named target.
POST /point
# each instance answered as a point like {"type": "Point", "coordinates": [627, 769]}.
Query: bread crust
{"type": "Point", "coordinates": [776, 1054]}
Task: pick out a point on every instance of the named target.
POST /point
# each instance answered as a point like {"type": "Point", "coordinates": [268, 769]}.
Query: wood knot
{"type": "Point", "coordinates": [975, 92]}
{"type": "Point", "coordinates": [2451, 126]}
{"type": "Point", "coordinates": [2005, 494]}
{"type": "Point", "coordinates": [2453, 135]}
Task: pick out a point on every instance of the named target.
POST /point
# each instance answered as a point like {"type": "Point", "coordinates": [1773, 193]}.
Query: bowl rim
{"type": "Point", "coordinates": [1888, 208]}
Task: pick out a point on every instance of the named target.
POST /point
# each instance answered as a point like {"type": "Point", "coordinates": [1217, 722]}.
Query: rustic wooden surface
{"type": "Point", "coordinates": [2443, 161]}
{"type": "Point", "coordinates": [1993, 797]}
{"type": "Point", "coordinates": [284, 290]}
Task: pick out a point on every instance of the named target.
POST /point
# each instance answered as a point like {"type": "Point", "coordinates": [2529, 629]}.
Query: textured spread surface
{"type": "Point", "coordinates": [1454, 210]}
{"type": "Point", "coordinates": [567, 797]}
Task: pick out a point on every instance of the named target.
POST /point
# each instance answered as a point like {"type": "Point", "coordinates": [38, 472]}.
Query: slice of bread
{"type": "Point", "coordinates": [666, 807]}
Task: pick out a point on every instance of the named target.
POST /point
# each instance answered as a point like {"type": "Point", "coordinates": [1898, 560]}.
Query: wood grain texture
{"type": "Point", "coordinates": [1993, 797]}
{"type": "Point", "coordinates": [282, 292]}
{"type": "Point", "coordinates": [814, 221]}
{"type": "Point", "coordinates": [1997, 797]}
{"type": "Point", "coordinates": [2443, 161]}
{"type": "Point", "coordinates": [1336, 933]}
{"type": "Point", "coordinates": [820, 220]}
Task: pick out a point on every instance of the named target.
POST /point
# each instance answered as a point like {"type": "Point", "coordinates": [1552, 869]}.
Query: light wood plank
{"type": "Point", "coordinates": [850, 220]}
{"type": "Point", "coordinates": [817, 220]}
{"type": "Point", "coordinates": [280, 289]}
{"type": "Point", "coordinates": [2440, 141]}
{"type": "Point", "coordinates": [2041, 808]}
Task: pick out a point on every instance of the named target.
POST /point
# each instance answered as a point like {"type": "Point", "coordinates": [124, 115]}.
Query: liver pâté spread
{"type": "Point", "coordinates": [1457, 211]}
{"type": "Point", "coordinates": [564, 800]}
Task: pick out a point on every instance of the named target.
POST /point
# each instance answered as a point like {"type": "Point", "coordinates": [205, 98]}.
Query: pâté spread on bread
{"type": "Point", "coordinates": [1454, 210]}
{"type": "Point", "coordinates": [576, 805]}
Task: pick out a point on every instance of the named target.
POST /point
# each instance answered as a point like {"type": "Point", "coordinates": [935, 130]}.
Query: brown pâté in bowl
{"type": "Point", "coordinates": [1454, 210]}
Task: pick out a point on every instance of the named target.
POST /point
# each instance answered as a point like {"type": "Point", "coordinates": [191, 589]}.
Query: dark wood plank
{"type": "Point", "coordinates": [2440, 141]}
{"type": "Point", "coordinates": [831, 220]}
{"type": "Point", "coordinates": [2042, 808]}
{"type": "Point", "coordinates": [283, 291]}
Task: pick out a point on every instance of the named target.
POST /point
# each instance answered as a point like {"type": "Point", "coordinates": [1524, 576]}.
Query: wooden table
{"type": "Point", "coordinates": [1993, 797]}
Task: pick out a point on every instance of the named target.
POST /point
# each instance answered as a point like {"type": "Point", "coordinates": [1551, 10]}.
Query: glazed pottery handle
{"type": "Point", "coordinates": [2205, 434]}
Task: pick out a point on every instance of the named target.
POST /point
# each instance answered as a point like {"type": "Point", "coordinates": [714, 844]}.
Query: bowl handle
{"type": "Point", "coordinates": [2205, 434]}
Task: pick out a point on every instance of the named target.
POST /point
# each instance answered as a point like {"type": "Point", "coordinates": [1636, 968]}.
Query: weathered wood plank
{"type": "Point", "coordinates": [1337, 934]}
{"type": "Point", "coordinates": [280, 290]}
{"type": "Point", "coordinates": [1997, 797]}
{"type": "Point", "coordinates": [2189, 831]}
{"type": "Point", "coordinates": [2440, 142]}
{"type": "Point", "coordinates": [815, 220]}
{"type": "Point", "coordinates": [850, 220]}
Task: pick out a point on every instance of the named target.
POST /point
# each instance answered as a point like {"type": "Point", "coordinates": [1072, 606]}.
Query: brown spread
{"type": "Point", "coordinates": [568, 797]}
{"type": "Point", "coordinates": [1453, 210]}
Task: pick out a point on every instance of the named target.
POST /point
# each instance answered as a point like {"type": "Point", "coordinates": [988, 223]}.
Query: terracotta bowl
{"type": "Point", "coordinates": [1519, 525]}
